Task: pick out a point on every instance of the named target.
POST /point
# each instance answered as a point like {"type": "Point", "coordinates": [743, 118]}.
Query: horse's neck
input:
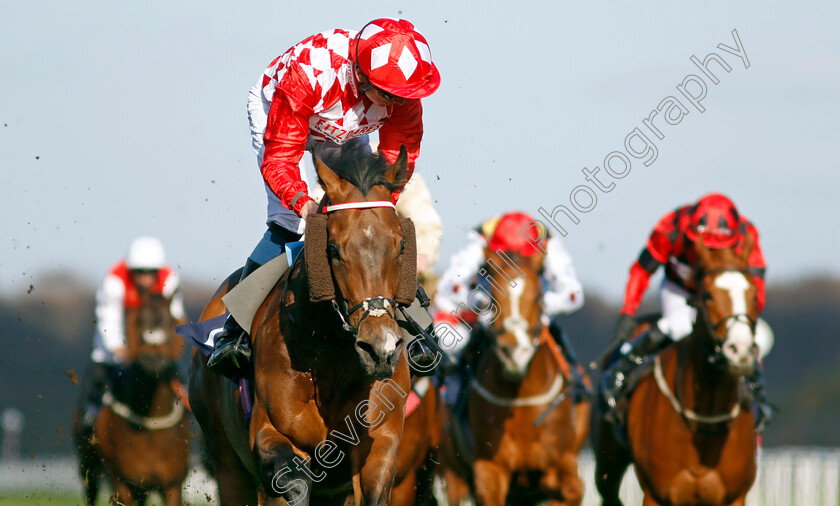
{"type": "Point", "coordinates": [162, 399]}
{"type": "Point", "coordinates": [146, 396]}
{"type": "Point", "coordinates": [704, 388]}
{"type": "Point", "coordinates": [319, 354]}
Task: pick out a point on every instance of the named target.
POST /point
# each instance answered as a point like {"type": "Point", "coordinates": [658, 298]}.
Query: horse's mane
{"type": "Point", "coordinates": [356, 164]}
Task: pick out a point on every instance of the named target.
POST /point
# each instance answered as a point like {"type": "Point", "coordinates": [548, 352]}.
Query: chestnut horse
{"type": "Point", "coordinates": [526, 433]}
{"type": "Point", "coordinates": [329, 385]}
{"type": "Point", "coordinates": [689, 438]}
{"type": "Point", "coordinates": [415, 457]}
{"type": "Point", "coordinates": [141, 436]}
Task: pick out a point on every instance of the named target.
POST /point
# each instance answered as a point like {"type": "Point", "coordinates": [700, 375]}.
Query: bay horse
{"type": "Point", "coordinates": [687, 434]}
{"type": "Point", "coordinates": [141, 436]}
{"type": "Point", "coordinates": [526, 433]}
{"type": "Point", "coordinates": [328, 378]}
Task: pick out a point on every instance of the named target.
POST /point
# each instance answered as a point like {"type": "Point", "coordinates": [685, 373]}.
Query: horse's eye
{"type": "Point", "coordinates": [332, 252]}
{"type": "Point", "coordinates": [402, 246]}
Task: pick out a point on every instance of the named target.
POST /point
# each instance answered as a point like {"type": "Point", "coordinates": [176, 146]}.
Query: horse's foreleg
{"type": "Point", "coordinates": [649, 500]}
{"type": "Point", "coordinates": [457, 489]}
{"type": "Point", "coordinates": [121, 494]}
{"type": "Point", "coordinates": [562, 483]}
{"type": "Point", "coordinates": [172, 495]}
{"type": "Point", "coordinates": [492, 482]}
{"type": "Point", "coordinates": [581, 419]}
{"type": "Point", "coordinates": [611, 462]}
{"type": "Point", "coordinates": [405, 492]}
{"type": "Point", "coordinates": [376, 467]}
{"type": "Point", "coordinates": [282, 472]}
{"type": "Point", "coordinates": [741, 501]}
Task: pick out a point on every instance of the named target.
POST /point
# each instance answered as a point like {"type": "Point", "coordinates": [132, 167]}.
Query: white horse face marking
{"type": "Point", "coordinates": [517, 325]}
{"type": "Point", "coordinates": [369, 232]}
{"type": "Point", "coordinates": [739, 347]}
{"type": "Point", "coordinates": [155, 337]}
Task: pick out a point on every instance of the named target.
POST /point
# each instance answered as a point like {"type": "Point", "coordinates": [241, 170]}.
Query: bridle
{"type": "Point", "coordinates": [714, 353]}
{"type": "Point", "coordinates": [372, 306]}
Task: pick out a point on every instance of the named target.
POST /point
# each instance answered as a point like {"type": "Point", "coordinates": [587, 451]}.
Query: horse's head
{"type": "Point", "coordinates": [150, 335]}
{"type": "Point", "coordinates": [727, 307]}
{"type": "Point", "coordinates": [513, 284]}
{"type": "Point", "coordinates": [365, 251]}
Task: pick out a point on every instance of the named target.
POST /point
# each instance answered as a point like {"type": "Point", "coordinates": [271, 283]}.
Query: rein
{"type": "Point", "coordinates": [686, 413]}
{"type": "Point", "coordinates": [553, 393]}
{"type": "Point", "coordinates": [713, 355]}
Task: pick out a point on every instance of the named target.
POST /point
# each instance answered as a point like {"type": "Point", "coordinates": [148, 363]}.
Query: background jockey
{"type": "Point", "coordinates": [334, 87]}
{"type": "Point", "coordinates": [143, 269]}
{"type": "Point", "coordinates": [562, 292]}
{"type": "Point", "coordinates": [715, 219]}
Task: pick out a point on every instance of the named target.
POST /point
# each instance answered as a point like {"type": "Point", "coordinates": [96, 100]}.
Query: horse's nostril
{"type": "Point", "coordinates": [367, 348]}
{"type": "Point", "coordinates": [733, 349]}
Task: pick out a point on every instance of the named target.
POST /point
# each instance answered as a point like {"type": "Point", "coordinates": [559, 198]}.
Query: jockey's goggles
{"type": "Point", "coordinates": [144, 271]}
{"type": "Point", "coordinates": [366, 86]}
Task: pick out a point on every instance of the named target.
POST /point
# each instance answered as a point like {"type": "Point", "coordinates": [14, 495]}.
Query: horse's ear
{"type": "Point", "coordinates": [398, 172]}
{"type": "Point", "coordinates": [329, 180]}
{"type": "Point", "coordinates": [703, 253]}
{"type": "Point", "coordinates": [747, 247]}
{"type": "Point", "coordinates": [535, 261]}
{"type": "Point", "coordinates": [488, 253]}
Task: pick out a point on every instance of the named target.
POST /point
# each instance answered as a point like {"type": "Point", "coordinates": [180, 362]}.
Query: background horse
{"type": "Point", "coordinates": [689, 438]}
{"type": "Point", "coordinates": [141, 436]}
{"type": "Point", "coordinates": [525, 437]}
{"type": "Point", "coordinates": [414, 479]}
{"type": "Point", "coordinates": [329, 387]}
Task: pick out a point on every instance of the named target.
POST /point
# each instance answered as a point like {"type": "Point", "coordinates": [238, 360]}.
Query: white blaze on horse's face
{"type": "Point", "coordinates": [155, 337]}
{"type": "Point", "coordinates": [739, 347]}
{"type": "Point", "coordinates": [517, 325]}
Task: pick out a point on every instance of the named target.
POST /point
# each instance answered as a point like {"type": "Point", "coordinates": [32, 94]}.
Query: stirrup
{"type": "Point", "coordinates": [226, 357]}
{"type": "Point", "coordinates": [421, 358]}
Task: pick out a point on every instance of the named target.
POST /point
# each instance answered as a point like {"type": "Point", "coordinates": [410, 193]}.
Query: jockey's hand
{"type": "Point", "coordinates": [624, 327]}
{"type": "Point", "coordinates": [308, 209]}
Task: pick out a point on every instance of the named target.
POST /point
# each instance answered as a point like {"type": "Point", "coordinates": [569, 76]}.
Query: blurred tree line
{"type": "Point", "coordinates": [46, 335]}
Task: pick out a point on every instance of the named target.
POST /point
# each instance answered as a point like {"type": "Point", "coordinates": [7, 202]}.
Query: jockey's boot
{"type": "Point", "coordinates": [232, 349]}
{"type": "Point", "coordinates": [579, 389]}
{"type": "Point", "coordinates": [763, 409]}
{"type": "Point", "coordinates": [423, 351]}
{"type": "Point", "coordinates": [632, 354]}
{"type": "Point", "coordinates": [90, 397]}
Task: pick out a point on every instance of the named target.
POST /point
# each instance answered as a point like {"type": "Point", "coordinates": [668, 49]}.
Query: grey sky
{"type": "Point", "coordinates": [123, 118]}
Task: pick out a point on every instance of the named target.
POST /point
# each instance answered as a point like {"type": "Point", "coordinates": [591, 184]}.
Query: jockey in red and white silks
{"type": "Point", "coordinates": [335, 87]}
{"type": "Point", "coordinates": [144, 265]}
{"type": "Point", "coordinates": [562, 292]}
{"type": "Point", "coordinates": [311, 94]}
{"type": "Point", "coordinates": [143, 269]}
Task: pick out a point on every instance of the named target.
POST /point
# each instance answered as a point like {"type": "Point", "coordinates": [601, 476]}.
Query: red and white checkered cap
{"type": "Point", "coordinates": [396, 58]}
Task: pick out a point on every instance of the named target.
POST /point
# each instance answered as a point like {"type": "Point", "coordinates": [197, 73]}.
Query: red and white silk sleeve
{"type": "Point", "coordinates": [285, 138]}
{"type": "Point", "coordinates": [403, 128]}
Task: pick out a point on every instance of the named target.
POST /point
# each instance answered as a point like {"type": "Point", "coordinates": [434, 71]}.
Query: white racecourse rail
{"type": "Point", "coordinates": [786, 476]}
